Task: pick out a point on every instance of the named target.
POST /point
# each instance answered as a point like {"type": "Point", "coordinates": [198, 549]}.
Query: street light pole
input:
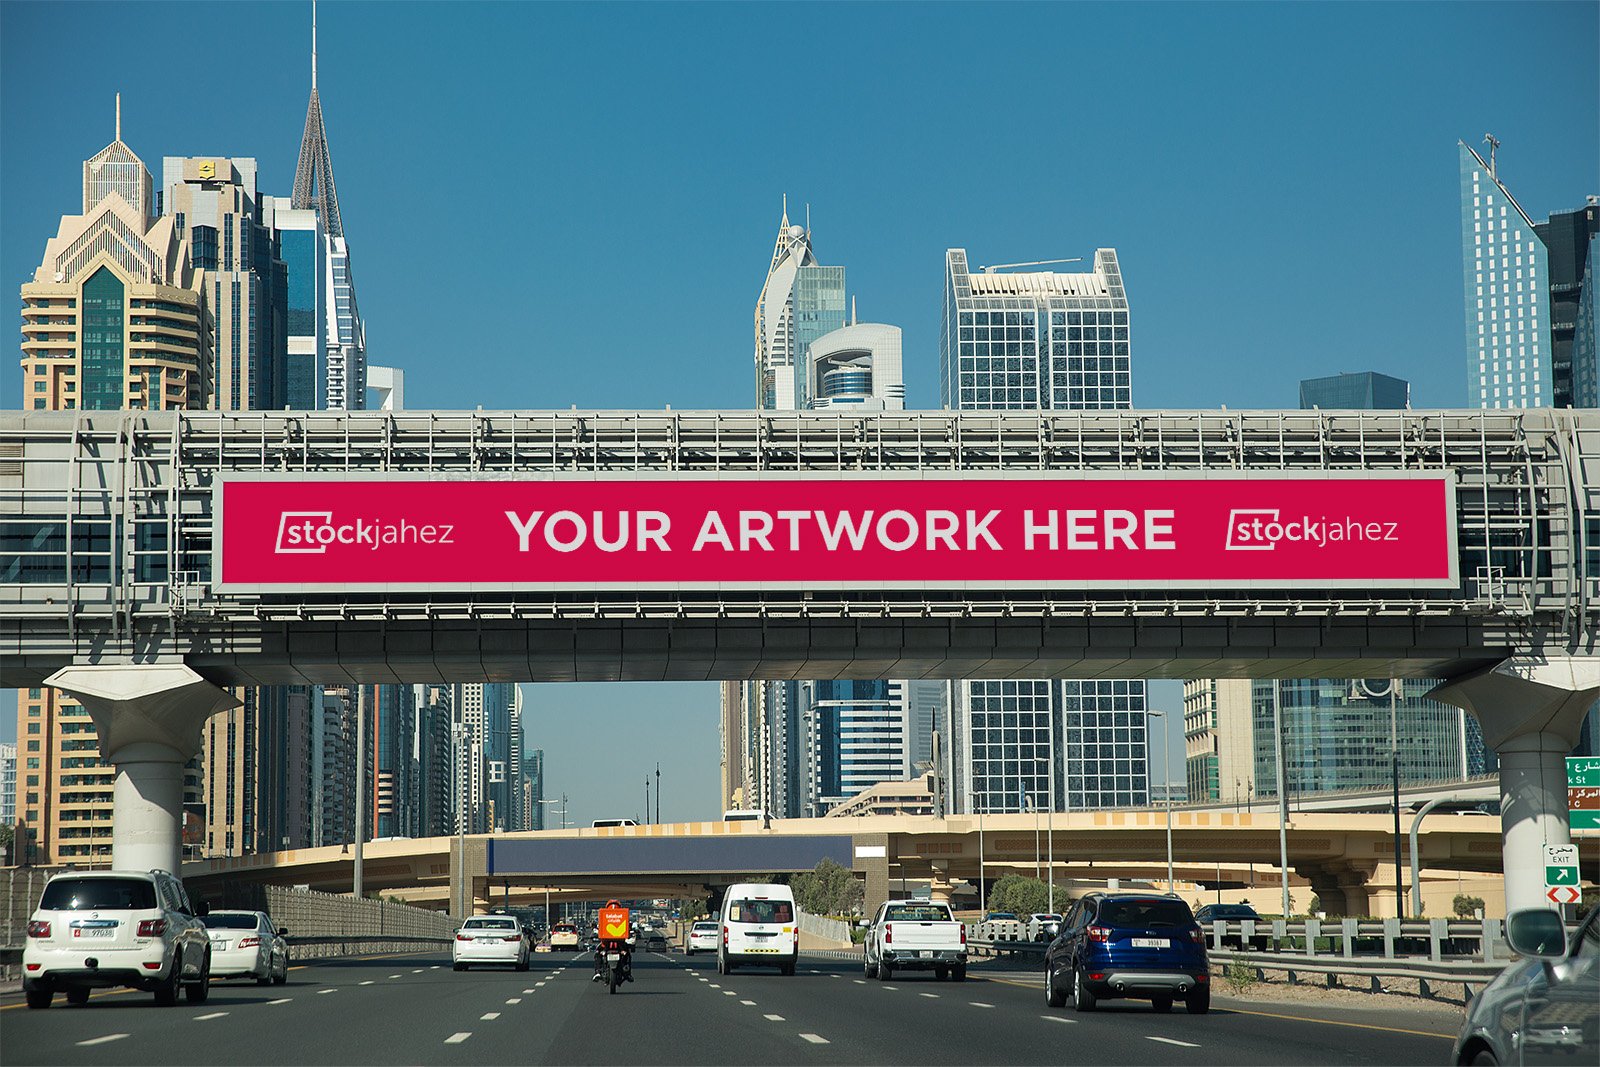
{"type": "Point", "coordinates": [458, 734]}
{"type": "Point", "coordinates": [547, 920]}
{"type": "Point", "coordinates": [1394, 771]}
{"type": "Point", "coordinates": [1166, 790]}
{"type": "Point", "coordinates": [361, 793]}
{"type": "Point", "coordinates": [1049, 831]}
{"type": "Point", "coordinates": [1283, 796]}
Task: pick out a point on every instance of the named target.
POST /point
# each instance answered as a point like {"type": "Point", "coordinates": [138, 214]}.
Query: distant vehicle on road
{"type": "Point", "coordinates": [1001, 926]}
{"type": "Point", "coordinates": [654, 941]}
{"type": "Point", "coordinates": [1545, 1008]}
{"type": "Point", "coordinates": [598, 823]}
{"type": "Point", "coordinates": [563, 935]}
{"type": "Point", "coordinates": [744, 815]}
{"type": "Point", "coordinates": [702, 938]}
{"type": "Point", "coordinates": [1042, 926]}
{"type": "Point", "coordinates": [99, 929]}
{"type": "Point", "coordinates": [490, 939]}
{"type": "Point", "coordinates": [758, 926]}
{"type": "Point", "coordinates": [914, 935]}
{"type": "Point", "coordinates": [246, 943]}
{"type": "Point", "coordinates": [1115, 945]}
{"type": "Point", "coordinates": [1233, 913]}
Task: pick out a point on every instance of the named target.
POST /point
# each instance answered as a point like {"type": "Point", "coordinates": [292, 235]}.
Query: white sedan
{"type": "Point", "coordinates": [246, 944]}
{"type": "Point", "coordinates": [702, 938]}
{"type": "Point", "coordinates": [490, 939]}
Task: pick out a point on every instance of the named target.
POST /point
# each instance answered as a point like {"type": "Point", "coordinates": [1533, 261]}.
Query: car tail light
{"type": "Point", "coordinates": [33, 966]}
{"type": "Point", "coordinates": [513, 939]}
{"type": "Point", "coordinates": [1202, 978]}
{"type": "Point", "coordinates": [38, 929]}
{"type": "Point", "coordinates": [152, 927]}
{"type": "Point", "coordinates": [463, 937]}
{"type": "Point", "coordinates": [1097, 976]}
{"type": "Point", "coordinates": [888, 933]}
{"type": "Point", "coordinates": [1099, 933]}
{"type": "Point", "coordinates": [249, 942]}
{"type": "Point", "coordinates": [724, 937]}
{"type": "Point", "coordinates": [156, 966]}
{"type": "Point", "coordinates": [1197, 936]}
{"type": "Point", "coordinates": [963, 934]}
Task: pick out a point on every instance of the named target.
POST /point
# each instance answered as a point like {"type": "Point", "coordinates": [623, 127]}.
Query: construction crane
{"type": "Point", "coordinates": [1035, 263]}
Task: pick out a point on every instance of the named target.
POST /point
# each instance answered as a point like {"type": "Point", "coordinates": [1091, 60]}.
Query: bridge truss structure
{"type": "Point", "coordinates": [107, 547]}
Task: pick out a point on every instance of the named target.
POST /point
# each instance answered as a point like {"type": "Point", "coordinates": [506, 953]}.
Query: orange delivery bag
{"type": "Point", "coordinates": [613, 922]}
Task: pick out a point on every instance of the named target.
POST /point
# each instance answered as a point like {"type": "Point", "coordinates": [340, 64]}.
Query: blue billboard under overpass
{"type": "Point", "coordinates": [719, 854]}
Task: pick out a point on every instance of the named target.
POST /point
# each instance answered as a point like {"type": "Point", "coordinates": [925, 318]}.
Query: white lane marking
{"type": "Point", "coordinates": [527, 991]}
{"type": "Point", "coordinates": [892, 988]}
{"type": "Point", "coordinates": [103, 1040]}
{"type": "Point", "coordinates": [537, 985]}
{"type": "Point", "coordinates": [322, 991]}
{"type": "Point", "coordinates": [1056, 1019]}
{"type": "Point", "coordinates": [833, 976]}
{"type": "Point", "coordinates": [490, 1016]}
{"type": "Point", "coordinates": [213, 1015]}
{"type": "Point", "coordinates": [816, 1039]}
{"type": "Point", "coordinates": [815, 971]}
{"type": "Point", "coordinates": [280, 1000]}
{"type": "Point", "coordinates": [860, 982]}
{"type": "Point", "coordinates": [394, 976]}
{"type": "Point", "coordinates": [748, 1003]}
{"type": "Point", "coordinates": [514, 1000]}
{"type": "Point", "coordinates": [367, 982]}
{"type": "Point", "coordinates": [774, 1018]}
{"type": "Point", "coordinates": [729, 993]}
{"type": "Point", "coordinates": [930, 996]}
{"type": "Point", "coordinates": [436, 966]}
{"type": "Point", "coordinates": [1172, 1041]}
{"type": "Point", "coordinates": [417, 971]}
{"type": "Point", "coordinates": [456, 1039]}
{"type": "Point", "coordinates": [715, 986]}
{"type": "Point", "coordinates": [979, 1004]}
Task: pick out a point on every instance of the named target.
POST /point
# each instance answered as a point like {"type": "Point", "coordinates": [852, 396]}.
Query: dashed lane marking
{"type": "Point", "coordinates": [394, 976]}
{"type": "Point", "coordinates": [103, 1040]}
{"type": "Point", "coordinates": [419, 970]}
{"type": "Point", "coordinates": [280, 1000]}
{"type": "Point", "coordinates": [514, 1000]}
{"type": "Point", "coordinates": [490, 1016]}
{"type": "Point", "coordinates": [816, 1039]}
{"type": "Point", "coordinates": [729, 993]}
{"type": "Point", "coordinates": [748, 1003]}
{"type": "Point", "coordinates": [715, 986]}
{"type": "Point", "coordinates": [322, 991]}
{"type": "Point", "coordinates": [930, 996]}
{"type": "Point", "coordinates": [1172, 1041]}
{"type": "Point", "coordinates": [891, 988]}
{"type": "Point", "coordinates": [537, 985]}
{"type": "Point", "coordinates": [1057, 1019]}
{"type": "Point", "coordinates": [527, 991]}
{"type": "Point", "coordinates": [833, 976]}
{"type": "Point", "coordinates": [456, 1039]}
{"type": "Point", "coordinates": [979, 1004]}
{"type": "Point", "coordinates": [367, 982]}
{"type": "Point", "coordinates": [774, 1018]}
{"type": "Point", "coordinates": [213, 1015]}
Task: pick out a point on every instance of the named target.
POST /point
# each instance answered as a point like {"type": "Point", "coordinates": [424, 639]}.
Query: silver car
{"type": "Point", "coordinates": [1544, 1008]}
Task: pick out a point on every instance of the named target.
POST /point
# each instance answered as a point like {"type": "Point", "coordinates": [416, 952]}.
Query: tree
{"type": "Point", "coordinates": [1019, 895]}
{"type": "Point", "coordinates": [827, 889]}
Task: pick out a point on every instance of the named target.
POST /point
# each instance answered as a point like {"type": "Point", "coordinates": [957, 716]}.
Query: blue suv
{"type": "Point", "coordinates": [1141, 945]}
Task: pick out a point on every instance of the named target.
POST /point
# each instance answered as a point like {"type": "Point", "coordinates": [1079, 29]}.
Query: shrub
{"type": "Point", "coordinates": [1240, 976]}
{"type": "Point", "coordinates": [1466, 906]}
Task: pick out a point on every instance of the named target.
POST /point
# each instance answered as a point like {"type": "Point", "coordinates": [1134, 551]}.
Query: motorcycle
{"type": "Point", "coordinates": [614, 967]}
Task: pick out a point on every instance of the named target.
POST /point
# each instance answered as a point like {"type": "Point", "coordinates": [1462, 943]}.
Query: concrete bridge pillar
{"type": "Point", "coordinates": [1531, 709]}
{"type": "Point", "coordinates": [1341, 888]}
{"type": "Point", "coordinates": [148, 719]}
{"type": "Point", "coordinates": [939, 888]}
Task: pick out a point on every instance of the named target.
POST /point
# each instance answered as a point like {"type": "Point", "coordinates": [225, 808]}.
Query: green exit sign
{"type": "Point", "coordinates": [1583, 792]}
{"type": "Point", "coordinates": [1561, 876]}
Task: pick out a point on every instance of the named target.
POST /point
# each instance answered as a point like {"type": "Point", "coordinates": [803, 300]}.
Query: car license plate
{"type": "Point", "coordinates": [613, 957]}
{"type": "Point", "coordinates": [220, 946]}
{"type": "Point", "coordinates": [924, 955]}
{"type": "Point", "coordinates": [94, 931]}
{"type": "Point", "coordinates": [1149, 942]}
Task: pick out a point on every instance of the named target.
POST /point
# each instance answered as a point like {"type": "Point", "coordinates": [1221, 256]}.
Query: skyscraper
{"type": "Point", "coordinates": [345, 335]}
{"type": "Point", "coordinates": [855, 368]}
{"type": "Point", "coordinates": [1572, 244]}
{"type": "Point", "coordinates": [1368, 391]}
{"type": "Point", "coordinates": [799, 302]}
{"type": "Point", "coordinates": [1219, 740]}
{"type": "Point", "coordinates": [213, 200]}
{"type": "Point", "coordinates": [115, 317]}
{"type": "Point", "coordinates": [536, 789]}
{"type": "Point", "coordinates": [1028, 341]}
{"type": "Point", "coordinates": [1506, 278]}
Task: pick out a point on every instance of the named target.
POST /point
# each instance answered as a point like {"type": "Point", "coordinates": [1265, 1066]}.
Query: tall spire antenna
{"type": "Point", "coordinates": [785, 223]}
{"type": "Point", "coordinates": [313, 45]}
{"type": "Point", "coordinates": [1494, 143]}
{"type": "Point", "coordinates": [119, 116]}
{"type": "Point", "coordinates": [853, 319]}
{"type": "Point", "coordinates": [808, 218]}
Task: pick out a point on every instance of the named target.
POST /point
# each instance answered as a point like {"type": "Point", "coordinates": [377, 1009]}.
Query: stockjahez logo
{"type": "Point", "coordinates": [311, 532]}
{"type": "Point", "coordinates": [297, 532]}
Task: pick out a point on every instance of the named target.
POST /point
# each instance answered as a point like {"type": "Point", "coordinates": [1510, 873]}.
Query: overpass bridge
{"type": "Point", "coordinates": [1339, 855]}
{"type": "Point", "coordinates": [152, 558]}
{"type": "Point", "coordinates": [1450, 794]}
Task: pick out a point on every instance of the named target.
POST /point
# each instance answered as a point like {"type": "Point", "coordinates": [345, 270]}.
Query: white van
{"type": "Point", "coordinates": [760, 924]}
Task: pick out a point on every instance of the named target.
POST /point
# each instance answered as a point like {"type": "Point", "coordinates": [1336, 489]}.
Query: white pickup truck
{"type": "Point", "coordinates": [915, 935]}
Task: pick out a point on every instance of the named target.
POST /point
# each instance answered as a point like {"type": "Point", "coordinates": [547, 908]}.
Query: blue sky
{"type": "Point", "coordinates": [551, 205]}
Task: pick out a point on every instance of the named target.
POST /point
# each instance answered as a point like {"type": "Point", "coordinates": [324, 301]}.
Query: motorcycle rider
{"type": "Point", "coordinates": [614, 921]}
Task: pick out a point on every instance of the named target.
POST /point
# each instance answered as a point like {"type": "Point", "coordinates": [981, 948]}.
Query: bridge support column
{"type": "Point", "coordinates": [939, 888]}
{"type": "Point", "coordinates": [148, 719]}
{"type": "Point", "coordinates": [1341, 888]}
{"type": "Point", "coordinates": [1531, 709]}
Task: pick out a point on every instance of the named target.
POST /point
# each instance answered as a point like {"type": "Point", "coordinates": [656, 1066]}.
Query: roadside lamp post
{"type": "Point", "coordinates": [458, 734]}
{"type": "Point", "coordinates": [1166, 791]}
{"type": "Point", "coordinates": [1394, 777]}
{"type": "Point", "coordinates": [1283, 795]}
{"type": "Point", "coordinates": [563, 809]}
{"type": "Point", "coordinates": [1049, 833]}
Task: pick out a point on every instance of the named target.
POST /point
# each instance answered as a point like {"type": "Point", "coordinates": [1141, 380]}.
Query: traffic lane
{"type": "Point", "coordinates": [667, 1015]}
{"type": "Point", "coordinates": [1016, 1025]}
{"type": "Point", "coordinates": [377, 1010]}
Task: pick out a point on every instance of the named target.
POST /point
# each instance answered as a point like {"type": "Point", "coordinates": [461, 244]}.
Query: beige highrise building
{"type": "Point", "coordinates": [115, 317]}
{"type": "Point", "coordinates": [1219, 740]}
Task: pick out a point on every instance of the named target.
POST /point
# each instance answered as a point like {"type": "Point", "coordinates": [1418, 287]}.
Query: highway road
{"type": "Point", "coordinates": [415, 1009]}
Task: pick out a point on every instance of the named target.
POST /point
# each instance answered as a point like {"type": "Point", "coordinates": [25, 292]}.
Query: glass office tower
{"type": "Point", "coordinates": [1506, 278]}
{"type": "Point", "coordinates": [1367, 391]}
{"type": "Point", "coordinates": [1027, 341]}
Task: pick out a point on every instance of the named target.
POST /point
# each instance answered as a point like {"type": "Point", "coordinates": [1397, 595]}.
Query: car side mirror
{"type": "Point", "coordinates": [1537, 932]}
{"type": "Point", "coordinates": [863, 924]}
{"type": "Point", "coordinates": [1051, 930]}
{"type": "Point", "coordinates": [283, 931]}
{"type": "Point", "coordinates": [204, 909]}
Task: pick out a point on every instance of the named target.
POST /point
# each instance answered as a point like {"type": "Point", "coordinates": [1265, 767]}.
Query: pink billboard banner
{"type": "Point", "coordinates": [838, 531]}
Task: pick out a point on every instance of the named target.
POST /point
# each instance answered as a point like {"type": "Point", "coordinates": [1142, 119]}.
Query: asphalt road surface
{"type": "Point", "coordinates": [415, 1009]}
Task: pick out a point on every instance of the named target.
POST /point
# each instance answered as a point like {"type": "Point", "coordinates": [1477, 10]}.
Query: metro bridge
{"type": "Point", "coordinates": [119, 581]}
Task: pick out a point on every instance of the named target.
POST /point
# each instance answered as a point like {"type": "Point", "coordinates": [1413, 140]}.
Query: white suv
{"type": "Point", "coordinates": [115, 928]}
